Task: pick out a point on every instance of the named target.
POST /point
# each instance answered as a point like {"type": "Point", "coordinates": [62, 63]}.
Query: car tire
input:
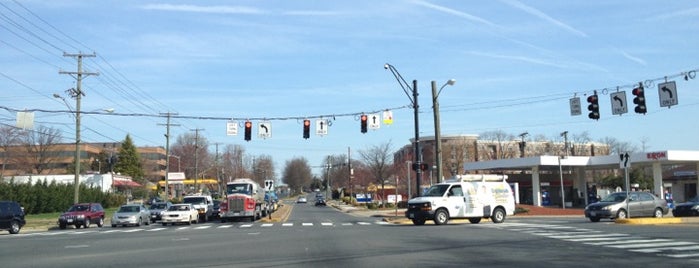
{"type": "Point", "coordinates": [138, 223]}
{"type": "Point", "coordinates": [87, 223]}
{"type": "Point", "coordinates": [62, 226]}
{"type": "Point", "coordinates": [114, 225]}
{"type": "Point", "coordinates": [621, 214]}
{"type": "Point", "coordinates": [77, 226]}
{"type": "Point", "coordinates": [474, 220]}
{"type": "Point", "coordinates": [147, 222]}
{"type": "Point", "coordinates": [594, 219]}
{"type": "Point", "coordinates": [100, 223]}
{"type": "Point", "coordinates": [498, 216]}
{"type": "Point", "coordinates": [441, 217]}
{"type": "Point", "coordinates": [658, 213]}
{"type": "Point", "coordinates": [419, 221]}
{"type": "Point", "coordinates": [14, 227]}
{"type": "Point", "coordinates": [164, 224]}
{"type": "Point", "coordinates": [196, 220]}
{"type": "Point", "coordinates": [189, 222]}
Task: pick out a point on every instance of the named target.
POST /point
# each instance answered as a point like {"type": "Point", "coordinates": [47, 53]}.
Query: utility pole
{"type": "Point", "coordinates": [349, 172]}
{"type": "Point", "coordinates": [218, 176]}
{"type": "Point", "coordinates": [167, 153]}
{"type": "Point", "coordinates": [77, 93]}
{"type": "Point", "coordinates": [196, 153]}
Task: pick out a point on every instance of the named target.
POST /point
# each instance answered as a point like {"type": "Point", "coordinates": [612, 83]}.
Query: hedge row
{"type": "Point", "coordinates": [43, 197]}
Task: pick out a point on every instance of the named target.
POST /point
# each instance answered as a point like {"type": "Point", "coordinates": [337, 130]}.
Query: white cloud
{"type": "Point", "coordinates": [464, 15]}
{"type": "Point", "coordinates": [544, 16]}
{"type": "Point", "coordinates": [204, 9]}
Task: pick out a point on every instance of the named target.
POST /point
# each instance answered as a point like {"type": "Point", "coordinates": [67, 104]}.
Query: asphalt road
{"type": "Point", "coordinates": [325, 237]}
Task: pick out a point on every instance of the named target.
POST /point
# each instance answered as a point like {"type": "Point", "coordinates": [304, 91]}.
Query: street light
{"type": "Point", "coordinates": [437, 131]}
{"type": "Point", "coordinates": [405, 86]}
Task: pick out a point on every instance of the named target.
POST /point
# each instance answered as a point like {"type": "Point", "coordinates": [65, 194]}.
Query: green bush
{"type": "Point", "coordinates": [42, 197]}
{"type": "Point", "coordinates": [372, 205]}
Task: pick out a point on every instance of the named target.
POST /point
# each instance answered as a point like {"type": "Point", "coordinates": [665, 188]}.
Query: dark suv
{"type": "Point", "coordinates": [82, 214]}
{"type": "Point", "coordinates": [11, 216]}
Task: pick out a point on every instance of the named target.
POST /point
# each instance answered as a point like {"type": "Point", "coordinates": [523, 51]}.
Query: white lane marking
{"type": "Point", "coordinates": [77, 246]}
{"type": "Point", "coordinates": [307, 224]}
{"type": "Point", "coordinates": [655, 250]}
{"type": "Point", "coordinates": [287, 224]}
{"type": "Point", "coordinates": [202, 227]}
{"type": "Point", "coordinates": [628, 241]}
{"type": "Point", "coordinates": [346, 224]}
{"type": "Point", "coordinates": [326, 224]}
{"type": "Point", "coordinates": [363, 223]}
{"type": "Point", "coordinates": [131, 230]}
{"type": "Point", "coordinates": [267, 225]}
{"type": "Point", "coordinates": [155, 229]}
{"type": "Point", "coordinates": [653, 245]}
{"type": "Point", "coordinates": [245, 225]}
{"type": "Point", "coordinates": [224, 226]}
{"type": "Point", "coordinates": [180, 239]}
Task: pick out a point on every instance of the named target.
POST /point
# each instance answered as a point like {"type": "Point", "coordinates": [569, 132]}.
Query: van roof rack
{"type": "Point", "coordinates": [478, 177]}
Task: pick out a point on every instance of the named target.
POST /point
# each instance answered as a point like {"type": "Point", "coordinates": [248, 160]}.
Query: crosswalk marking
{"type": "Point", "coordinates": [660, 246]}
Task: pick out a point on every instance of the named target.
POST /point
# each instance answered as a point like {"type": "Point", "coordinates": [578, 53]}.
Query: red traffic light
{"type": "Point", "coordinates": [306, 128]}
{"type": "Point", "coordinates": [248, 130]}
{"type": "Point", "coordinates": [363, 119]}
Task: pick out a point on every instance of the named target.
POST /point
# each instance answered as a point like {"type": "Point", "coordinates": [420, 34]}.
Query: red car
{"type": "Point", "coordinates": [83, 214]}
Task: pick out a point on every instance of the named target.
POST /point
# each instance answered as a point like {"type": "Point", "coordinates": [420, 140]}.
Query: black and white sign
{"type": "Point", "coordinates": [618, 100]}
{"type": "Point", "coordinates": [269, 185]}
{"type": "Point", "coordinates": [232, 128]}
{"type": "Point", "coordinates": [322, 127]}
{"type": "Point", "coordinates": [667, 93]}
{"type": "Point", "coordinates": [264, 130]}
{"type": "Point", "coordinates": [575, 106]}
{"type": "Point", "coordinates": [374, 121]}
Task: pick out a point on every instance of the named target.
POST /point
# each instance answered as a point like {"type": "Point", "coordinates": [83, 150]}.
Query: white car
{"type": "Point", "coordinates": [180, 213]}
{"type": "Point", "coordinates": [134, 214]}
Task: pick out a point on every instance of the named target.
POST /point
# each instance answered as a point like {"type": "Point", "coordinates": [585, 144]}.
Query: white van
{"type": "Point", "coordinates": [472, 197]}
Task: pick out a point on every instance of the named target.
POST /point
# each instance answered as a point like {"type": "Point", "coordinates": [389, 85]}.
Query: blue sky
{"type": "Point", "coordinates": [516, 65]}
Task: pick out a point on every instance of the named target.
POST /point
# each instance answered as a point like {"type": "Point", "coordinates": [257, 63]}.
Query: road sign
{"type": "Point", "coordinates": [321, 127]}
{"type": "Point", "coordinates": [374, 121]}
{"type": "Point", "coordinates": [269, 185]}
{"type": "Point", "coordinates": [264, 130]}
{"type": "Point", "coordinates": [668, 94]}
{"type": "Point", "coordinates": [387, 117]}
{"type": "Point", "coordinates": [618, 100]}
{"type": "Point", "coordinates": [232, 128]}
{"type": "Point", "coordinates": [575, 106]}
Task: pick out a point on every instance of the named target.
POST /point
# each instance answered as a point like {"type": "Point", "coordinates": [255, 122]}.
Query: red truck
{"type": "Point", "coordinates": [245, 199]}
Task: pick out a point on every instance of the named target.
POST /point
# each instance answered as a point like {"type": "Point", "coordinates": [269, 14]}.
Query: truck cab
{"type": "Point", "coordinates": [204, 204]}
{"type": "Point", "coordinates": [473, 197]}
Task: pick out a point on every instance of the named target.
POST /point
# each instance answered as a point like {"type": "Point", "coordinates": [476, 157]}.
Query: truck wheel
{"type": "Point", "coordinates": [441, 216]}
{"type": "Point", "coordinates": [87, 223]}
{"type": "Point", "coordinates": [474, 220]}
{"type": "Point", "coordinates": [498, 215]}
{"type": "Point", "coordinates": [419, 221]}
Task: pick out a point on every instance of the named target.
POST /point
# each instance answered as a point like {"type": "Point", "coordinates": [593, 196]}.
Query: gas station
{"type": "Point", "coordinates": [673, 170]}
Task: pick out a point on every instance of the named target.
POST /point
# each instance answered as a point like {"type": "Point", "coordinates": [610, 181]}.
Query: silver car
{"type": "Point", "coordinates": [614, 206]}
{"type": "Point", "coordinates": [133, 214]}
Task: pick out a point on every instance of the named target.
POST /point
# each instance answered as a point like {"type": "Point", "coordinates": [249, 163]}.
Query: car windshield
{"type": "Point", "coordinates": [238, 188]}
{"type": "Point", "coordinates": [178, 208]}
{"type": "Point", "coordinates": [158, 206]}
{"type": "Point", "coordinates": [195, 200]}
{"type": "Point", "coordinates": [437, 190]}
{"type": "Point", "coordinates": [615, 197]}
{"type": "Point", "coordinates": [79, 208]}
{"type": "Point", "coordinates": [128, 209]}
{"type": "Point", "coordinates": [694, 199]}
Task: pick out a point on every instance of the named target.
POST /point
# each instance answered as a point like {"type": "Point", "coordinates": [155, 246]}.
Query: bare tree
{"type": "Point", "coordinates": [580, 142]}
{"type": "Point", "coordinates": [232, 162]}
{"type": "Point", "coordinates": [9, 138]}
{"type": "Point", "coordinates": [263, 169]}
{"type": "Point", "coordinates": [499, 145]}
{"type": "Point", "coordinates": [297, 174]}
{"type": "Point", "coordinates": [186, 147]}
{"type": "Point", "coordinates": [39, 153]}
{"type": "Point", "coordinates": [617, 147]}
{"type": "Point", "coordinates": [378, 160]}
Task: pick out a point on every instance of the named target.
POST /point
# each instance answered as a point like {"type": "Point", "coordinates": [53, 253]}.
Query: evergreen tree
{"type": "Point", "coordinates": [129, 162]}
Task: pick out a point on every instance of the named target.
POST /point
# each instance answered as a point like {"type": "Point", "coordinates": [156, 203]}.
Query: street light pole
{"type": "Point", "coordinates": [405, 86]}
{"type": "Point", "coordinates": [437, 127]}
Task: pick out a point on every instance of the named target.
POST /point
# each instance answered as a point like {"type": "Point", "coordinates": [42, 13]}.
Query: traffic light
{"type": "Point", "coordinates": [363, 119]}
{"type": "Point", "coordinates": [593, 100]}
{"type": "Point", "coordinates": [248, 130]}
{"type": "Point", "coordinates": [640, 99]}
{"type": "Point", "coordinates": [306, 128]}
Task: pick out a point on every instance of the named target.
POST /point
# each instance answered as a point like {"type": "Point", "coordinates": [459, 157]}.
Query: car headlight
{"type": "Point", "coordinates": [62, 217]}
{"type": "Point", "coordinates": [81, 216]}
{"type": "Point", "coordinates": [606, 208]}
{"type": "Point", "coordinates": [695, 207]}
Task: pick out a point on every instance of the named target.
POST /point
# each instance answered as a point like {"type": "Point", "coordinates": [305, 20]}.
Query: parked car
{"type": "Point", "coordinates": [11, 216]}
{"type": "Point", "coordinates": [301, 199]}
{"type": "Point", "coordinates": [134, 214]}
{"type": "Point", "coordinates": [180, 213]}
{"type": "Point", "coordinates": [320, 202]}
{"type": "Point", "coordinates": [640, 204]}
{"type": "Point", "coordinates": [83, 214]}
{"type": "Point", "coordinates": [689, 208]}
{"type": "Point", "coordinates": [156, 210]}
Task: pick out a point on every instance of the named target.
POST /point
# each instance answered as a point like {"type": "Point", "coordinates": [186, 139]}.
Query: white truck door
{"type": "Point", "coordinates": [457, 201]}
